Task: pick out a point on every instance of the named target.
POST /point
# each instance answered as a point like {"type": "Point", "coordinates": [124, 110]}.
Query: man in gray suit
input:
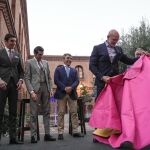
{"type": "Point", "coordinates": [11, 75]}
{"type": "Point", "coordinates": [37, 79]}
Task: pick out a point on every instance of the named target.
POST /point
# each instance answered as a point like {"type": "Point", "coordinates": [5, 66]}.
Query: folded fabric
{"type": "Point", "coordinates": [123, 107]}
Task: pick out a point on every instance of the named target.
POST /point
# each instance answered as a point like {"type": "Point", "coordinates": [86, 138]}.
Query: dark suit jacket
{"type": "Point", "coordinates": [100, 64]}
{"type": "Point", "coordinates": [10, 69]}
{"type": "Point", "coordinates": [61, 80]}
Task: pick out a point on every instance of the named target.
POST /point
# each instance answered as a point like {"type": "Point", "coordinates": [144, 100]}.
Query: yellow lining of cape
{"type": "Point", "coordinates": [107, 132]}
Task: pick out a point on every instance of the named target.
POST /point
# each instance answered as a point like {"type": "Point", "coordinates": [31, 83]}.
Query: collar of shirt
{"type": "Point", "coordinates": [7, 50]}
{"type": "Point", "coordinates": [66, 66]}
{"type": "Point", "coordinates": [111, 51]}
{"type": "Point", "coordinates": [109, 48]}
{"type": "Point", "coordinates": [107, 44]}
{"type": "Point", "coordinates": [39, 62]}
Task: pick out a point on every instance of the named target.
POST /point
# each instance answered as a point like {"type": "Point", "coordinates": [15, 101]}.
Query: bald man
{"type": "Point", "coordinates": [105, 57]}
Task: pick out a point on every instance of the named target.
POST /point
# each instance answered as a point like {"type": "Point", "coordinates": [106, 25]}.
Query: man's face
{"type": "Point", "coordinates": [39, 55]}
{"type": "Point", "coordinates": [11, 43]}
{"type": "Point", "coordinates": [68, 60]}
{"type": "Point", "coordinates": [113, 39]}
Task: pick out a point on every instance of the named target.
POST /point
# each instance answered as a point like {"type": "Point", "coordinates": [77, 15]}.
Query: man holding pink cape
{"type": "Point", "coordinates": [104, 65]}
{"type": "Point", "coordinates": [121, 112]}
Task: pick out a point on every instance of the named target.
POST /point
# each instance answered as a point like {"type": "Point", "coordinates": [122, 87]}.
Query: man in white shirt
{"type": "Point", "coordinates": [11, 75]}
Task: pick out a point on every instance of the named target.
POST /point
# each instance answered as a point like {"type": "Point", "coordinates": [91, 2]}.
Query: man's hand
{"type": "Point", "coordinates": [106, 79]}
{"type": "Point", "coordinates": [34, 96]}
{"type": "Point", "coordinates": [19, 84]}
{"type": "Point", "coordinates": [68, 89]}
{"type": "Point", "coordinates": [3, 85]}
{"type": "Point", "coordinates": [51, 93]}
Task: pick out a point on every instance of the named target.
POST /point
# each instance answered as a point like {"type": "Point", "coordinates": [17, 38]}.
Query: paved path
{"type": "Point", "coordinates": [69, 142]}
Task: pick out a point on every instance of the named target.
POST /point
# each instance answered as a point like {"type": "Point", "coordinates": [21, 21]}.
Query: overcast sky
{"type": "Point", "coordinates": [75, 26]}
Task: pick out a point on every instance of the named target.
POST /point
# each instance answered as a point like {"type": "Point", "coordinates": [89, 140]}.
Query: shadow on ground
{"type": "Point", "coordinates": [69, 143]}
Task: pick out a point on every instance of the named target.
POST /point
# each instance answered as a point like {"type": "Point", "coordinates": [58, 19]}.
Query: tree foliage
{"type": "Point", "coordinates": [138, 37]}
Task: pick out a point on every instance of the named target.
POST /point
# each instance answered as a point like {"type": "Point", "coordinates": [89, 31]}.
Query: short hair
{"type": "Point", "coordinates": [139, 48]}
{"type": "Point", "coordinates": [8, 36]}
{"type": "Point", "coordinates": [38, 48]}
{"type": "Point", "coordinates": [66, 54]}
{"type": "Point", "coordinates": [112, 32]}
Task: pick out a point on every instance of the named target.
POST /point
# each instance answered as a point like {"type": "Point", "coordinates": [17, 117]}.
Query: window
{"type": "Point", "coordinates": [19, 29]}
{"type": "Point", "coordinates": [13, 8]}
{"type": "Point", "coordinates": [80, 71]}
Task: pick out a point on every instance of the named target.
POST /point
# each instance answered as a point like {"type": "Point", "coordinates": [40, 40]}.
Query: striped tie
{"type": "Point", "coordinates": [40, 65]}
{"type": "Point", "coordinates": [10, 55]}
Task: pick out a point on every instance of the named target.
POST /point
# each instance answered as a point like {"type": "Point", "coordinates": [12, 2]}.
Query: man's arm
{"type": "Point", "coordinates": [49, 77]}
{"type": "Point", "coordinates": [27, 77]}
{"type": "Point", "coordinates": [76, 81]}
{"type": "Point", "coordinates": [127, 60]}
{"type": "Point", "coordinates": [21, 73]}
{"type": "Point", "coordinates": [20, 68]}
{"type": "Point", "coordinates": [3, 84]}
{"type": "Point", "coordinates": [50, 84]}
{"type": "Point", "coordinates": [93, 64]}
{"type": "Point", "coordinates": [57, 80]}
{"type": "Point", "coordinates": [130, 61]}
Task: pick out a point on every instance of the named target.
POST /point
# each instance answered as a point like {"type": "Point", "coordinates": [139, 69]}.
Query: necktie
{"type": "Point", "coordinates": [67, 70]}
{"type": "Point", "coordinates": [40, 65]}
{"type": "Point", "coordinates": [10, 54]}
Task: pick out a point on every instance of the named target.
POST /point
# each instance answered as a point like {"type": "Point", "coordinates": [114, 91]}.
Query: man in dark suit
{"type": "Point", "coordinates": [66, 79]}
{"type": "Point", "coordinates": [105, 57]}
{"type": "Point", "coordinates": [104, 60]}
{"type": "Point", "coordinates": [11, 75]}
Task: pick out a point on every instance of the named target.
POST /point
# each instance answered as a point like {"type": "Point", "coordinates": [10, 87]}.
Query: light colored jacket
{"type": "Point", "coordinates": [32, 75]}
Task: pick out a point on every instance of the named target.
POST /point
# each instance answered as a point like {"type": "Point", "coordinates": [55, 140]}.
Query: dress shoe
{"type": "Point", "coordinates": [33, 140]}
{"type": "Point", "coordinates": [14, 141]}
{"type": "Point", "coordinates": [95, 140]}
{"type": "Point", "coordinates": [127, 145]}
{"type": "Point", "coordinates": [146, 147]}
{"type": "Point", "coordinates": [48, 137]}
{"type": "Point", "coordinates": [60, 137]}
{"type": "Point", "coordinates": [77, 135]}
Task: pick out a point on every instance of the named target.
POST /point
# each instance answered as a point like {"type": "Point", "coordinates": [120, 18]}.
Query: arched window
{"type": "Point", "coordinates": [80, 71]}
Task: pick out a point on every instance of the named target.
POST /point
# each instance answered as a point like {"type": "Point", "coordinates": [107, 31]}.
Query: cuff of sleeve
{"type": "Point", "coordinates": [21, 80]}
{"type": "Point", "coordinates": [31, 92]}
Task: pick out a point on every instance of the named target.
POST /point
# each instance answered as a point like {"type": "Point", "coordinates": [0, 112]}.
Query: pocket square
{"type": "Point", "coordinates": [16, 56]}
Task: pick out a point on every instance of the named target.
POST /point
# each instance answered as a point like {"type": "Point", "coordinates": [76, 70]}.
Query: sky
{"type": "Point", "coordinates": [75, 26]}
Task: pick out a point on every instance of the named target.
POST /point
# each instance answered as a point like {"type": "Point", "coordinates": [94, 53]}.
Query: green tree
{"type": "Point", "coordinates": [83, 90]}
{"type": "Point", "coordinates": [138, 37]}
{"type": "Point", "coordinates": [85, 93]}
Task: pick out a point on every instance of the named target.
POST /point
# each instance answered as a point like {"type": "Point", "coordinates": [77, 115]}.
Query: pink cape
{"type": "Point", "coordinates": [124, 105]}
